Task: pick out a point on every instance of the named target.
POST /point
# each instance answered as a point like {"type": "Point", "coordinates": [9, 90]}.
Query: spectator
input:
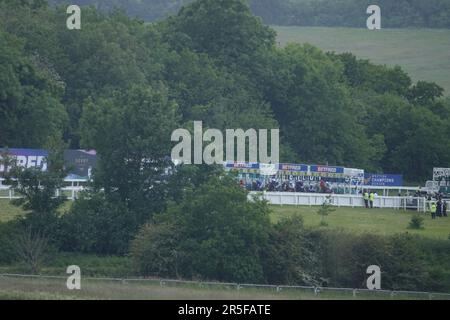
{"type": "Point", "coordinates": [366, 198]}
{"type": "Point", "coordinates": [439, 208]}
{"type": "Point", "coordinates": [371, 199]}
{"type": "Point", "coordinates": [433, 209]}
{"type": "Point", "coordinates": [444, 208]}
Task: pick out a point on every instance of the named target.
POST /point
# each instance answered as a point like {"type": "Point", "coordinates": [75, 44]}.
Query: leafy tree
{"type": "Point", "coordinates": [29, 98]}
{"type": "Point", "coordinates": [224, 29]}
{"type": "Point", "coordinates": [425, 93]}
{"type": "Point", "coordinates": [38, 190]}
{"type": "Point", "coordinates": [219, 235]}
{"type": "Point", "coordinates": [131, 133]}
{"type": "Point", "coordinates": [97, 225]}
{"type": "Point", "coordinates": [315, 113]}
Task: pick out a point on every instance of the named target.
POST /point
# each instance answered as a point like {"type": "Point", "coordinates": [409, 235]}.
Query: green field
{"type": "Point", "coordinates": [360, 220]}
{"type": "Point", "coordinates": [8, 211]}
{"type": "Point", "coordinates": [423, 53]}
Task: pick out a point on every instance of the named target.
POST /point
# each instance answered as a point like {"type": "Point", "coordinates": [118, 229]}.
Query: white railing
{"type": "Point", "coordinates": [354, 293]}
{"type": "Point", "coordinates": [282, 198]}
{"type": "Point", "coordinates": [71, 192]}
{"type": "Point", "coordinates": [342, 200]}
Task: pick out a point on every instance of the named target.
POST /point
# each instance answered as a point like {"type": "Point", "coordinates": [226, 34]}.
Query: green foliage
{"type": "Point", "coordinates": [38, 192]}
{"type": "Point", "coordinates": [95, 225]}
{"type": "Point", "coordinates": [238, 35]}
{"type": "Point", "coordinates": [403, 261]}
{"type": "Point", "coordinates": [216, 62]}
{"type": "Point", "coordinates": [131, 131]}
{"type": "Point", "coordinates": [7, 237]}
{"type": "Point", "coordinates": [325, 209]}
{"type": "Point", "coordinates": [416, 222]}
{"type": "Point", "coordinates": [290, 255]}
{"type": "Point", "coordinates": [30, 106]}
{"type": "Point", "coordinates": [214, 233]}
{"type": "Point", "coordinates": [121, 86]}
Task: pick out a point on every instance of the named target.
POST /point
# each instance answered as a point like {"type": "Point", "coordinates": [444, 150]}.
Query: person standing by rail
{"type": "Point", "coordinates": [366, 198]}
{"type": "Point", "coordinates": [433, 209]}
{"type": "Point", "coordinates": [371, 199]}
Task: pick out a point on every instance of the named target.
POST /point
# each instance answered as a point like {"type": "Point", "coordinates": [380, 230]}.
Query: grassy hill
{"type": "Point", "coordinates": [423, 53]}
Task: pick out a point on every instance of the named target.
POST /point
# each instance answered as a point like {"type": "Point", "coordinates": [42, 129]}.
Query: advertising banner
{"type": "Point", "coordinates": [80, 163]}
{"type": "Point", "coordinates": [27, 158]}
{"type": "Point", "coordinates": [293, 167]}
{"type": "Point", "coordinates": [442, 175]}
{"type": "Point", "coordinates": [244, 167]}
{"type": "Point", "coordinates": [383, 180]}
{"type": "Point", "coordinates": [327, 171]}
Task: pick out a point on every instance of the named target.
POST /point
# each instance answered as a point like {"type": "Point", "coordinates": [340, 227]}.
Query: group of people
{"type": "Point", "coordinates": [438, 208]}
{"type": "Point", "coordinates": [369, 198]}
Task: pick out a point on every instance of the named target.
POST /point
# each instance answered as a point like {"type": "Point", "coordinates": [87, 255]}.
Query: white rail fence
{"type": "Point", "coordinates": [280, 198]}
{"type": "Point", "coordinates": [342, 200]}
{"type": "Point", "coordinates": [71, 192]}
{"type": "Point", "coordinates": [276, 289]}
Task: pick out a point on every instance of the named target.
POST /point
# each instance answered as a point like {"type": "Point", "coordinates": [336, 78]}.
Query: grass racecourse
{"type": "Point", "coordinates": [360, 220]}
{"type": "Point", "coordinates": [423, 53]}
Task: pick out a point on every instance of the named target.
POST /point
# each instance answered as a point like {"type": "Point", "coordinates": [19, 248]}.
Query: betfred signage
{"type": "Point", "coordinates": [26, 158]}
{"type": "Point", "coordinates": [79, 162]}
{"type": "Point", "coordinates": [327, 169]}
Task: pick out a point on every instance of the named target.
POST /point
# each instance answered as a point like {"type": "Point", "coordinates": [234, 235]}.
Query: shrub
{"type": "Point", "coordinates": [325, 209]}
{"type": "Point", "coordinates": [8, 232]}
{"type": "Point", "coordinates": [95, 225]}
{"type": "Point", "coordinates": [290, 257]}
{"type": "Point", "coordinates": [416, 222]}
{"type": "Point", "coordinates": [155, 250]}
{"type": "Point", "coordinates": [219, 236]}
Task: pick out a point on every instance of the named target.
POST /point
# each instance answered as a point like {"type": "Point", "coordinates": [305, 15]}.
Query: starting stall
{"type": "Point", "coordinates": [289, 177]}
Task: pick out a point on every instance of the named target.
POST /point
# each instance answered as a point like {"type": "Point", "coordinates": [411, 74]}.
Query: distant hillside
{"type": "Point", "coordinates": [424, 54]}
{"type": "Point", "coordinates": [341, 13]}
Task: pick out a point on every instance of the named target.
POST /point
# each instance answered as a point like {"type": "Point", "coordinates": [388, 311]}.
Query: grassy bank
{"type": "Point", "coordinates": [359, 220]}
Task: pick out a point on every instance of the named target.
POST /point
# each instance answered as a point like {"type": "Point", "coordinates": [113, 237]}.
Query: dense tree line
{"type": "Point", "coordinates": [330, 108]}
{"type": "Point", "coordinates": [329, 13]}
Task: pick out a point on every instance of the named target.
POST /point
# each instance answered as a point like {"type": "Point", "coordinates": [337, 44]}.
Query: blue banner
{"type": "Point", "coordinates": [27, 158]}
{"type": "Point", "coordinates": [383, 180]}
